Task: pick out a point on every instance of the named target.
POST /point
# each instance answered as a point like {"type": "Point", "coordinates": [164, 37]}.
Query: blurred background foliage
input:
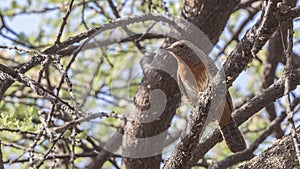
{"type": "Point", "coordinates": [104, 79]}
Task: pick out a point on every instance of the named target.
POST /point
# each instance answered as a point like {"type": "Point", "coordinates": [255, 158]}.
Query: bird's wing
{"type": "Point", "coordinates": [229, 101]}
{"type": "Point", "coordinates": [182, 86]}
{"type": "Point", "coordinates": [189, 92]}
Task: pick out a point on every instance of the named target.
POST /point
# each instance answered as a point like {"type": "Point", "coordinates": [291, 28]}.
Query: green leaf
{"type": "Point", "coordinates": [82, 134]}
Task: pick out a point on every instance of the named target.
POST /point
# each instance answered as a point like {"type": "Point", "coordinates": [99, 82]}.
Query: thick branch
{"type": "Point", "coordinates": [246, 111]}
{"type": "Point", "coordinates": [281, 155]}
{"type": "Point", "coordinates": [255, 39]}
{"type": "Point", "coordinates": [252, 42]}
{"type": "Point", "coordinates": [148, 104]}
{"type": "Point", "coordinates": [210, 16]}
{"type": "Point", "coordinates": [201, 19]}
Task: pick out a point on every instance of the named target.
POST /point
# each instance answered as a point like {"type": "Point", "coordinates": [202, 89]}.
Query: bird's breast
{"type": "Point", "coordinates": [195, 76]}
{"type": "Point", "coordinates": [194, 80]}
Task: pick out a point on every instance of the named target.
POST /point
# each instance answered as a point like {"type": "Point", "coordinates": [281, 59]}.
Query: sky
{"type": "Point", "coordinates": [29, 24]}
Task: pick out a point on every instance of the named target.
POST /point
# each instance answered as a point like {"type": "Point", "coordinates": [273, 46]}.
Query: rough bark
{"type": "Point", "coordinates": [245, 112]}
{"type": "Point", "coordinates": [153, 80]}
{"type": "Point", "coordinates": [197, 13]}
{"type": "Point", "coordinates": [274, 56]}
{"type": "Point", "coordinates": [209, 16]}
{"type": "Point", "coordinates": [280, 155]}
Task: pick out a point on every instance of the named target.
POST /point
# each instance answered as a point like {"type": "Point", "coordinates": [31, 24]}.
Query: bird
{"type": "Point", "coordinates": [193, 78]}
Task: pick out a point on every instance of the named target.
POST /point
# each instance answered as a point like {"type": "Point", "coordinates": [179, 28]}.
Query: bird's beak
{"type": "Point", "coordinates": [170, 49]}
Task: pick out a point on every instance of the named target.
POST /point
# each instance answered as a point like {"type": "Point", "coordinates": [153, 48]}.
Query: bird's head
{"type": "Point", "coordinates": [181, 50]}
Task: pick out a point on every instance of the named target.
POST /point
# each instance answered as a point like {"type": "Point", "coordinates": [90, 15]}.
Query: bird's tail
{"type": "Point", "coordinates": [233, 137]}
{"type": "Point", "coordinates": [230, 131]}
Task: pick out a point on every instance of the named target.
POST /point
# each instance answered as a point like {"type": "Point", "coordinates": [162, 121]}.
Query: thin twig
{"type": "Point", "coordinates": [1, 158]}
{"type": "Point", "coordinates": [288, 71]}
{"type": "Point", "coordinates": [88, 118]}
{"type": "Point", "coordinates": [22, 50]}
{"type": "Point", "coordinates": [64, 23]}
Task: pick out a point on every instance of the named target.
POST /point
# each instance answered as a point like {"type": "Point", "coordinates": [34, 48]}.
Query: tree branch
{"type": "Point", "coordinates": [255, 39]}
{"type": "Point", "coordinates": [246, 111]}
{"type": "Point", "coordinates": [248, 154]}
{"type": "Point", "coordinates": [280, 155]}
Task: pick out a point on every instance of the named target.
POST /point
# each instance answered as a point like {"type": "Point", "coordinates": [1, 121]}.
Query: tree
{"type": "Point", "coordinates": [88, 84]}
